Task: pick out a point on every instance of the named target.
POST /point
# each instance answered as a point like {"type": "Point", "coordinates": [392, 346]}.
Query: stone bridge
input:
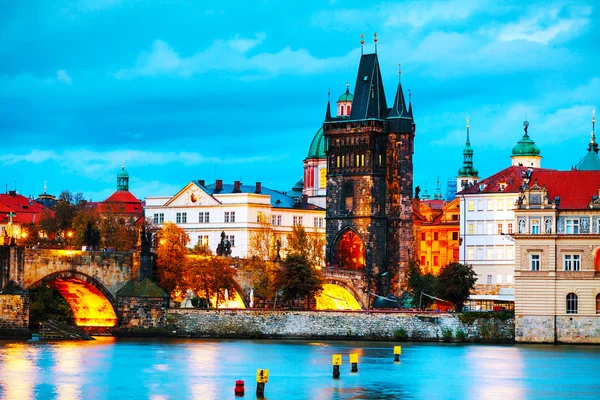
{"type": "Point", "coordinates": [102, 288]}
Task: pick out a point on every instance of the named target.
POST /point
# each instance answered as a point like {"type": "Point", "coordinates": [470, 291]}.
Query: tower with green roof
{"type": "Point", "coordinates": [467, 174]}
{"type": "Point", "coordinates": [122, 179]}
{"type": "Point", "coordinates": [526, 153]}
{"type": "Point", "coordinates": [591, 161]}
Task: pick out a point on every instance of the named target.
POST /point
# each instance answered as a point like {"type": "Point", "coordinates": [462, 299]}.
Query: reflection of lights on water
{"type": "Point", "coordinates": [67, 369]}
{"type": "Point", "coordinates": [90, 307]}
{"type": "Point", "coordinates": [335, 297]}
{"type": "Point", "coordinates": [18, 371]}
{"type": "Point", "coordinates": [203, 359]}
{"type": "Point", "coordinates": [495, 365]}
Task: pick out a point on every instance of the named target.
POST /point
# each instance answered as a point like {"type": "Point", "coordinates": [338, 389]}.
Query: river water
{"type": "Point", "coordinates": [110, 368]}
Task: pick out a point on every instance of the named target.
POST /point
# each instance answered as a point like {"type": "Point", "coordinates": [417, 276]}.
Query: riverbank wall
{"type": "Point", "coordinates": [347, 325]}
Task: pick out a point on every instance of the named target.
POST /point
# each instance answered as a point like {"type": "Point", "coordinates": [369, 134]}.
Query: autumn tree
{"type": "Point", "coordinates": [171, 259]}
{"type": "Point", "coordinates": [309, 244]}
{"type": "Point", "coordinates": [201, 250]}
{"type": "Point", "coordinates": [85, 228]}
{"type": "Point", "coordinates": [261, 266]}
{"type": "Point", "coordinates": [297, 279]}
{"type": "Point", "coordinates": [456, 282]}
{"type": "Point", "coordinates": [209, 277]}
{"type": "Point", "coordinates": [117, 231]}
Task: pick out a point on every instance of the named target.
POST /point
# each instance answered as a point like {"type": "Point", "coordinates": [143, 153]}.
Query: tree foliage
{"type": "Point", "coordinates": [309, 244]}
{"type": "Point", "coordinates": [419, 283]}
{"type": "Point", "coordinates": [297, 279]}
{"type": "Point", "coordinates": [171, 259]}
{"type": "Point", "coordinates": [456, 282]}
{"type": "Point", "coordinates": [209, 277]}
{"type": "Point", "coordinates": [46, 303]}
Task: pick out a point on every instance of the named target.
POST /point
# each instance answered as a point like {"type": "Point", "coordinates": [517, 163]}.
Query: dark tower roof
{"type": "Point", "coordinates": [328, 111]}
{"type": "Point", "coordinates": [369, 97]}
{"type": "Point", "coordinates": [399, 107]}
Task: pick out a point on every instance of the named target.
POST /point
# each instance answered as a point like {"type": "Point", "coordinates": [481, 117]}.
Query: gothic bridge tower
{"type": "Point", "coordinates": [370, 183]}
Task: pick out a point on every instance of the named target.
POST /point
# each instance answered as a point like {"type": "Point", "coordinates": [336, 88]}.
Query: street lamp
{"type": "Point", "coordinates": [69, 236]}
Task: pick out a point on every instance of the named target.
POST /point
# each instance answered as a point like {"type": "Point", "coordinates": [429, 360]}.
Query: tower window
{"type": "Point", "coordinates": [348, 110]}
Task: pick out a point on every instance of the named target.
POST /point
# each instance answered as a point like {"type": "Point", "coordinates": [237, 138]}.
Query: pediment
{"type": "Point", "coordinates": [192, 195]}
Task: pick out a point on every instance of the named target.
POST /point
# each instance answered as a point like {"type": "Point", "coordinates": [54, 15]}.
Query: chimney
{"type": "Point", "coordinates": [201, 182]}
{"type": "Point", "coordinates": [304, 199]}
{"type": "Point", "coordinates": [258, 188]}
{"type": "Point", "coordinates": [236, 187]}
{"type": "Point", "coordinates": [218, 185]}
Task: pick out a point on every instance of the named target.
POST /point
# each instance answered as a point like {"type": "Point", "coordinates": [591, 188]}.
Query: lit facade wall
{"type": "Point", "coordinates": [486, 222]}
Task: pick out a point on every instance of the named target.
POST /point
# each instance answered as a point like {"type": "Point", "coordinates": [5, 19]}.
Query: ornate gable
{"type": "Point", "coordinates": [192, 195]}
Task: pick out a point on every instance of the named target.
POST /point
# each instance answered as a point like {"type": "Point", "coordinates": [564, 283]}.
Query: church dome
{"type": "Point", "coordinates": [122, 173]}
{"type": "Point", "coordinates": [346, 97]}
{"type": "Point", "coordinates": [526, 146]}
{"type": "Point", "coordinates": [317, 146]}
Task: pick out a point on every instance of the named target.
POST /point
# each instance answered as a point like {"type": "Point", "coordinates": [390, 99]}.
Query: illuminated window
{"type": "Point", "coordinates": [350, 252]}
{"type": "Point", "coordinates": [571, 303]}
{"type": "Point", "coordinates": [362, 160]}
{"type": "Point", "coordinates": [499, 226]}
{"type": "Point", "coordinates": [500, 205]}
{"type": "Point", "coordinates": [535, 226]}
{"type": "Point", "coordinates": [509, 229]}
{"type": "Point", "coordinates": [534, 262]}
{"type": "Point", "coordinates": [348, 110]}
{"type": "Point", "coordinates": [471, 205]}
{"type": "Point", "coordinates": [322, 178]}
{"type": "Point", "coordinates": [490, 205]}
{"type": "Point", "coordinates": [572, 262]}
{"type": "Point", "coordinates": [203, 240]}
{"type": "Point", "coordinates": [470, 253]}
{"type": "Point", "coordinates": [572, 226]}
{"type": "Point", "coordinates": [338, 161]}
{"type": "Point", "coordinates": [380, 160]}
{"type": "Point", "coordinates": [470, 229]}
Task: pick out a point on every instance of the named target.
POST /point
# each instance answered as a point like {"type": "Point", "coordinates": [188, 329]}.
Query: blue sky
{"type": "Point", "coordinates": [183, 90]}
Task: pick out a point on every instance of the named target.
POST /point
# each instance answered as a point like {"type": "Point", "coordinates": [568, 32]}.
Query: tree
{"type": "Point", "coordinates": [297, 279]}
{"type": "Point", "coordinates": [201, 250]}
{"type": "Point", "coordinates": [209, 277]}
{"type": "Point", "coordinates": [85, 228]}
{"type": "Point", "coordinates": [171, 257]}
{"type": "Point", "coordinates": [46, 303]}
{"type": "Point", "coordinates": [456, 281]}
{"type": "Point", "coordinates": [419, 283]}
{"type": "Point", "coordinates": [117, 231]}
{"type": "Point", "coordinates": [310, 245]}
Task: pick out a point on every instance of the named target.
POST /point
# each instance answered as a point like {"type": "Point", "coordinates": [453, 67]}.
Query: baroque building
{"type": "Point", "coordinates": [205, 211]}
{"type": "Point", "coordinates": [487, 218]}
{"type": "Point", "coordinates": [557, 264]}
{"type": "Point", "coordinates": [369, 182]}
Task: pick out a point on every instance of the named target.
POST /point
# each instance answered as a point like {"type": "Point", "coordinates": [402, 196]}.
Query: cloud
{"type": "Point", "coordinates": [63, 76]}
{"type": "Point", "coordinates": [546, 24]}
{"type": "Point", "coordinates": [232, 56]}
{"type": "Point", "coordinates": [96, 163]}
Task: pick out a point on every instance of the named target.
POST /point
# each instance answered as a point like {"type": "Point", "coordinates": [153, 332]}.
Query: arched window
{"type": "Point", "coordinates": [348, 110]}
{"type": "Point", "coordinates": [598, 303]}
{"type": "Point", "coordinates": [571, 303]}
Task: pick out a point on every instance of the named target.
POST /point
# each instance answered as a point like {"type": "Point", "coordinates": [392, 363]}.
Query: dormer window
{"type": "Point", "coordinates": [481, 186]}
{"type": "Point", "coordinates": [502, 186]}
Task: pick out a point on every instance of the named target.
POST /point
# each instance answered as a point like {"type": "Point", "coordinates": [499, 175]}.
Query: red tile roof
{"type": "Point", "coordinates": [575, 188]}
{"type": "Point", "coordinates": [120, 202]}
{"type": "Point", "coordinates": [512, 177]}
{"type": "Point", "coordinates": [434, 204]}
{"type": "Point", "coordinates": [26, 210]}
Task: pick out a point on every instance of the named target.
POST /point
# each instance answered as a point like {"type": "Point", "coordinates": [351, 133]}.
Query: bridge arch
{"type": "Point", "coordinates": [339, 295]}
{"type": "Point", "coordinates": [93, 305]}
{"type": "Point", "coordinates": [348, 251]}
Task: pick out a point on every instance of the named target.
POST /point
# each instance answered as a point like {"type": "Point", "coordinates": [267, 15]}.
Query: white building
{"type": "Point", "coordinates": [204, 211]}
{"type": "Point", "coordinates": [487, 217]}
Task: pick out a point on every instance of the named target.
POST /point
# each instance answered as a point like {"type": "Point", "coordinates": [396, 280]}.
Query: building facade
{"type": "Point", "coordinates": [487, 220]}
{"type": "Point", "coordinates": [237, 210]}
{"type": "Point", "coordinates": [557, 273]}
{"type": "Point", "coordinates": [437, 233]}
{"type": "Point", "coordinates": [370, 182]}
{"type": "Point", "coordinates": [17, 210]}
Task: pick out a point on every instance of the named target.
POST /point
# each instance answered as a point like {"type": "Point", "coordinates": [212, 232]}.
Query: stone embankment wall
{"type": "Point", "coordinates": [360, 325]}
{"type": "Point", "coordinates": [560, 329]}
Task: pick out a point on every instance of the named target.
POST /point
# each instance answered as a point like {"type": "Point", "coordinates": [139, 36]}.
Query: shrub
{"type": "Point", "coordinates": [401, 334]}
{"type": "Point", "coordinates": [461, 335]}
{"type": "Point", "coordinates": [447, 334]}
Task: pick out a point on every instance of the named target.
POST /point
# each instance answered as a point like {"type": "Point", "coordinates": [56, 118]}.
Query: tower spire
{"type": "Point", "coordinates": [362, 43]}
{"type": "Point", "coordinates": [328, 111]}
{"type": "Point", "coordinates": [399, 73]}
{"type": "Point", "coordinates": [593, 145]}
{"type": "Point", "coordinates": [375, 40]}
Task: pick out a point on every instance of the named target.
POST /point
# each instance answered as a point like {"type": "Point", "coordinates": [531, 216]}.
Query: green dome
{"type": "Point", "coordinates": [346, 97]}
{"type": "Point", "coordinates": [317, 147]}
{"type": "Point", "coordinates": [122, 173]}
{"type": "Point", "coordinates": [525, 147]}
{"type": "Point", "coordinates": [467, 171]}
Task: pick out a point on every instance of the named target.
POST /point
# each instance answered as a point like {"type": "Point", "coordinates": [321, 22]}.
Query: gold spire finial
{"type": "Point", "coordinates": [467, 122]}
{"type": "Point", "coordinates": [362, 43]}
{"type": "Point", "coordinates": [375, 40]}
{"type": "Point", "coordinates": [593, 116]}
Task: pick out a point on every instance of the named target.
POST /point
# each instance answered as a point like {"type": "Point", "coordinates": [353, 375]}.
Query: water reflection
{"type": "Point", "coordinates": [18, 371]}
{"type": "Point", "coordinates": [68, 370]}
{"type": "Point", "coordinates": [495, 365]}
